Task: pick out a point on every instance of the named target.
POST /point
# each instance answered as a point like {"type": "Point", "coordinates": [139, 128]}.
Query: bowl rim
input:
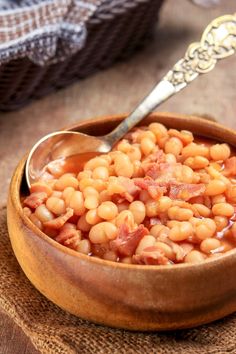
{"type": "Point", "coordinates": [14, 195]}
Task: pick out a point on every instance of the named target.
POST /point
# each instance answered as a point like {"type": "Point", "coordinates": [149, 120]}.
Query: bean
{"type": "Point", "coordinates": [147, 145]}
{"type": "Point", "coordinates": [164, 203]}
{"type": "Point", "coordinates": [181, 232]}
{"type": "Point", "coordinates": [158, 230]}
{"type": "Point", "coordinates": [216, 166]}
{"type": "Point", "coordinates": [223, 209]}
{"type": "Point", "coordinates": [202, 210]}
{"type": "Point", "coordinates": [149, 135]}
{"type": "Point", "coordinates": [186, 247]}
{"type": "Point", "coordinates": [114, 187]}
{"type": "Point", "coordinates": [66, 180]}
{"type": "Point", "coordinates": [205, 228]}
{"type": "Point", "coordinates": [138, 170]}
{"type": "Point", "coordinates": [220, 198]}
{"type": "Point", "coordinates": [196, 162]}
{"type": "Point", "coordinates": [146, 241]}
{"type": "Point", "coordinates": [92, 217]}
{"type": "Point", "coordinates": [184, 135]}
{"type": "Point", "coordinates": [126, 260]}
{"type": "Point", "coordinates": [84, 247]}
{"type": "Point", "coordinates": [209, 245]}
{"type": "Point", "coordinates": [41, 187]}
{"type": "Point", "coordinates": [56, 205]}
{"type": "Point", "coordinates": [35, 220]}
{"type": "Point", "coordinates": [124, 146]}
{"type": "Point", "coordinates": [77, 203]}
{"type": "Point", "coordinates": [220, 152]}
{"type": "Point", "coordinates": [184, 174]}
{"type": "Point", "coordinates": [172, 223]}
{"type": "Point", "coordinates": [158, 129]}
{"type": "Point", "coordinates": [27, 212]}
{"type": "Point", "coordinates": [194, 149]}
{"type": "Point", "coordinates": [85, 182]}
{"type": "Point", "coordinates": [99, 184]}
{"type": "Point", "coordinates": [215, 187]}
{"type": "Point", "coordinates": [151, 208]}
{"type": "Point", "coordinates": [107, 210]}
{"type": "Point", "coordinates": [125, 217]}
{"type": "Point", "coordinates": [67, 194]}
{"type": "Point", "coordinates": [82, 224]}
{"type": "Point", "coordinates": [204, 177]}
{"type": "Point", "coordinates": [180, 214]}
{"type": "Point", "coordinates": [107, 157]}
{"type": "Point", "coordinates": [134, 153]}
{"type": "Point", "coordinates": [166, 249]}
{"type": "Point", "coordinates": [96, 162]}
{"type": "Point", "coordinates": [173, 146]}
{"type": "Point", "coordinates": [90, 191]}
{"type": "Point", "coordinates": [102, 232]}
{"type": "Point", "coordinates": [104, 196]}
{"type": "Point", "coordinates": [84, 174]}
{"type": "Point", "coordinates": [194, 257]}
{"type": "Point", "coordinates": [221, 222]}
{"type": "Point", "coordinates": [43, 214]}
{"type": "Point", "coordinates": [215, 174]}
{"type": "Point", "coordinates": [170, 158]}
{"type": "Point", "coordinates": [138, 210]}
{"type": "Point", "coordinates": [123, 166]}
{"type": "Point", "coordinates": [56, 194]}
{"type": "Point", "coordinates": [91, 202]}
{"type": "Point", "coordinates": [110, 256]}
{"type": "Point", "coordinates": [100, 172]}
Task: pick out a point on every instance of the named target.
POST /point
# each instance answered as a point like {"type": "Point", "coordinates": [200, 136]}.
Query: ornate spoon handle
{"type": "Point", "coordinates": [218, 42]}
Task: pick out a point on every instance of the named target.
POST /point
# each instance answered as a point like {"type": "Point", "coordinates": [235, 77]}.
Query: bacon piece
{"type": "Point", "coordinates": [40, 187]}
{"type": "Point", "coordinates": [133, 135]}
{"type": "Point", "coordinates": [151, 256]}
{"type": "Point", "coordinates": [131, 190]}
{"type": "Point", "coordinates": [69, 237]}
{"type": "Point", "coordinates": [186, 191]}
{"type": "Point", "coordinates": [155, 189]}
{"type": "Point", "coordinates": [123, 189]}
{"type": "Point", "coordinates": [177, 249]}
{"type": "Point", "coordinates": [58, 222]}
{"type": "Point", "coordinates": [152, 170]}
{"type": "Point", "coordinates": [230, 167]}
{"type": "Point", "coordinates": [127, 241]}
{"type": "Point", "coordinates": [164, 172]}
{"type": "Point", "coordinates": [151, 164]}
{"type": "Point", "coordinates": [35, 199]}
{"type": "Point", "coordinates": [157, 156]}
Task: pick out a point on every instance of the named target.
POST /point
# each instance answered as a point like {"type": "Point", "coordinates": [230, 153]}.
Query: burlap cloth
{"type": "Point", "coordinates": [53, 330]}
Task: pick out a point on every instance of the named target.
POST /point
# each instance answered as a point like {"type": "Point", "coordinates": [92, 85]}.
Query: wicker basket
{"type": "Point", "coordinates": [111, 36]}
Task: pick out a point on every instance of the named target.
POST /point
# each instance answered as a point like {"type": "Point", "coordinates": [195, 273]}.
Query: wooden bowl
{"type": "Point", "coordinates": [120, 295]}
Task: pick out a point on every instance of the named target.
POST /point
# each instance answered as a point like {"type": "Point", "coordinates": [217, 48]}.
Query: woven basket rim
{"type": "Point", "coordinates": [106, 13]}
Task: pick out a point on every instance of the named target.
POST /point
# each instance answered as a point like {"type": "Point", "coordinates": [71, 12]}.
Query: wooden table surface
{"type": "Point", "coordinates": [117, 90]}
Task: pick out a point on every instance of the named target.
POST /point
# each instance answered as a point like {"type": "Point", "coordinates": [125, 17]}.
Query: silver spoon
{"type": "Point", "coordinates": [218, 41]}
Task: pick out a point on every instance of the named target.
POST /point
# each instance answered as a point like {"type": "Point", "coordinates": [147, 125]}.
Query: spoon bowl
{"type": "Point", "coordinates": [56, 150]}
